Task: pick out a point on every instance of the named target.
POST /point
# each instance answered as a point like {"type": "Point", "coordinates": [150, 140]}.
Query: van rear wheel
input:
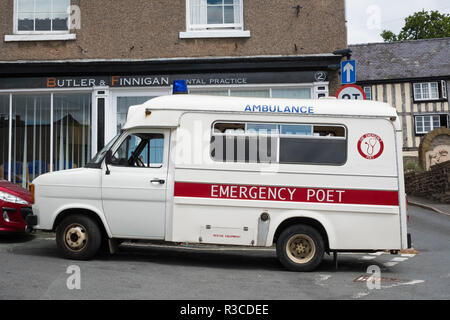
{"type": "Point", "coordinates": [300, 248]}
{"type": "Point", "coordinates": [78, 237]}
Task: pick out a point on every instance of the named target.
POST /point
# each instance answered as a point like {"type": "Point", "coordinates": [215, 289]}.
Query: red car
{"type": "Point", "coordinates": [15, 205]}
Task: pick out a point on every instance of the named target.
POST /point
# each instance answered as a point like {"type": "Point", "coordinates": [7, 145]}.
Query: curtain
{"type": "Point", "coordinates": [198, 10]}
{"type": "Point", "coordinates": [237, 11]}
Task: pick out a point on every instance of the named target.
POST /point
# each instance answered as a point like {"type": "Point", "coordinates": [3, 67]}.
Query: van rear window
{"type": "Point", "coordinates": [279, 143]}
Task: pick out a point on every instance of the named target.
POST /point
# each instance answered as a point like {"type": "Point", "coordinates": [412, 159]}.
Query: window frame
{"type": "Point", "coordinates": [444, 91]}
{"type": "Point", "coordinates": [16, 30]}
{"type": "Point", "coordinates": [124, 138]}
{"type": "Point", "coordinates": [279, 135]}
{"type": "Point", "coordinates": [368, 91]}
{"type": "Point", "coordinates": [430, 98]}
{"type": "Point", "coordinates": [225, 30]}
{"type": "Point", "coordinates": [422, 116]}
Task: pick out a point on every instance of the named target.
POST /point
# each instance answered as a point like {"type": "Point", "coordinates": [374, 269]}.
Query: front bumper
{"type": "Point", "coordinates": [31, 220]}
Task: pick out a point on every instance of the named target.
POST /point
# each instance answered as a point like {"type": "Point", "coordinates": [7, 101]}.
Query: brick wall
{"type": "Point", "coordinates": [433, 184]}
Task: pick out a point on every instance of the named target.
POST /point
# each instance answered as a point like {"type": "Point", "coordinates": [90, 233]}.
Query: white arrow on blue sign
{"type": "Point", "coordinates": [348, 72]}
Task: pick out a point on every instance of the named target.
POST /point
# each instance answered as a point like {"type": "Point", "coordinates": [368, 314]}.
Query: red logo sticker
{"type": "Point", "coordinates": [370, 146]}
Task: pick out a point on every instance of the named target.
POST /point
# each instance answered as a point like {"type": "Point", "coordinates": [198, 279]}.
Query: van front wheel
{"type": "Point", "coordinates": [78, 237]}
{"type": "Point", "coordinates": [300, 248]}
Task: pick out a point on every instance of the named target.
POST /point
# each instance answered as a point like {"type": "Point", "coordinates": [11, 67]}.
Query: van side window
{"type": "Point", "coordinates": [279, 143]}
{"type": "Point", "coordinates": [140, 150]}
{"type": "Point", "coordinates": [235, 142]}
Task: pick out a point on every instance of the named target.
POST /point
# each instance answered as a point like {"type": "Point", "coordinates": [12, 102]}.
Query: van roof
{"type": "Point", "coordinates": [167, 110]}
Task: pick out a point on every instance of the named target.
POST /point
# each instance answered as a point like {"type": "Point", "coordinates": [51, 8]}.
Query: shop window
{"type": "Point", "coordinates": [30, 140]}
{"type": "Point", "coordinates": [277, 92]}
{"type": "Point", "coordinates": [250, 93]}
{"type": "Point", "coordinates": [292, 93]}
{"type": "Point", "coordinates": [209, 92]}
{"type": "Point", "coordinates": [124, 103]}
{"type": "Point", "coordinates": [41, 16]}
{"type": "Point", "coordinates": [4, 135]}
{"type": "Point", "coordinates": [71, 130]}
{"type": "Point", "coordinates": [282, 143]}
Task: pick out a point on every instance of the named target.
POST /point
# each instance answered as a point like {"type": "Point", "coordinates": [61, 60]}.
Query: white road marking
{"type": "Point", "coordinates": [390, 264]}
{"type": "Point", "coordinates": [398, 259]}
{"type": "Point", "coordinates": [409, 255]}
{"type": "Point", "coordinates": [412, 282]}
{"type": "Point", "coordinates": [368, 258]}
{"type": "Point", "coordinates": [360, 295]}
{"type": "Point", "coordinates": [321, 279]}
{"type": "Point", "coordinates": [379, 253]}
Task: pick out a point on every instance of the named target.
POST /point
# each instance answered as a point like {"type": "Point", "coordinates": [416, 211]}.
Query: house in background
{"type": "Point", "coordinates": [412, 76]}
{"type": "Point", "coordinates": [115, 54]}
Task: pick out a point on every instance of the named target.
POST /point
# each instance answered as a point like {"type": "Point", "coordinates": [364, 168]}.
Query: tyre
{"type": "Point", "coordinates": [300, 248]}
{"type": "Point", "coordinates": [78, 237]}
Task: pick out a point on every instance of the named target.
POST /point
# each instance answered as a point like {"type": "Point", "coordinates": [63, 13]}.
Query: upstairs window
{"type": "Point", "coordinates": [426, 91]}
{"type": "Point", "coordinates": [214, 19]}
{"type": "Point", "coordinates": [41, 16]}
{"type": "Point", "coordinates": [215, 14]}
{"type": "Point", "coordinates": [368, 92]}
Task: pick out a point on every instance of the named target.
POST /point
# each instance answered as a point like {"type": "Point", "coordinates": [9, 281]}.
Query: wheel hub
{"type": "Point", "coordinates": [300, 248]}
{"type": "Point", "coordinates": [76, 237]}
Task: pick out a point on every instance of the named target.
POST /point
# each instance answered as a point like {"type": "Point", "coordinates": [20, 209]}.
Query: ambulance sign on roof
{"type": "Point", "coordinates": [351, 92]}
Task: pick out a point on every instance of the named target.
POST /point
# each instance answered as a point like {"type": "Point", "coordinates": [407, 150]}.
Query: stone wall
{"type": "Point", "coordinates": [433, 184]}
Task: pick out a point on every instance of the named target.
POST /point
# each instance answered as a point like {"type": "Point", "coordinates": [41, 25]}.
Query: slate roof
{"type": "Point", "coordinates": [402, 60]}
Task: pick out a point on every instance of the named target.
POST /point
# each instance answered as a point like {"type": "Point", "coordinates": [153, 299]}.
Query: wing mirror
{"type": "Point", "coordinates": [108, 157]}
{"type": "Point", "coordinates": [108, 160]}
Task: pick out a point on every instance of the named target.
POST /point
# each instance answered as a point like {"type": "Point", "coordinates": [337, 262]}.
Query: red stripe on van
{"type": "Point", "coordinates": [284, 193]}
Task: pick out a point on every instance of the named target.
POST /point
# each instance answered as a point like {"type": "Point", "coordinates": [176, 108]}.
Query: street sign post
{"type": "Point", "coordinates": [348, 72]}
{"type": "Point", "coordinates": [351, 92]}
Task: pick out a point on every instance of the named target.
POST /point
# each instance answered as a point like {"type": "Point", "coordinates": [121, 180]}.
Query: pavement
{"type": "Point", "coordinates": [32, 269]}
{"type": "Point", "coordinates": [435, 206]}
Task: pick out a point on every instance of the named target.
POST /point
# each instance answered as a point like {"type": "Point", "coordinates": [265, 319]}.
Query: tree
{"type": "Point", "coordinates": [421, 25]}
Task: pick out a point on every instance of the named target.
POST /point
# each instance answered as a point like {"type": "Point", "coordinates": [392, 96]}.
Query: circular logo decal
{"type": "Point", "coordinates": [370, 146]}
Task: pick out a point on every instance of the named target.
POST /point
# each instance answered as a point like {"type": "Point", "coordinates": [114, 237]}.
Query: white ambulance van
{"type": "Point", "coordinates": [309, 176]}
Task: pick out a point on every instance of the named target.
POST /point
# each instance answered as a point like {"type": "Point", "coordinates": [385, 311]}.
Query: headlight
{"type": "Point", "coordinates": [7, 197]}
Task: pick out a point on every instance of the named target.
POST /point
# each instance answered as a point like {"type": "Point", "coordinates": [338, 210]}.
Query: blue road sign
{"type": "Point", "coordinates": [348, 72]}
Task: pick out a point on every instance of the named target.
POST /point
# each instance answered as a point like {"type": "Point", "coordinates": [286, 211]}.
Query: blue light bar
{"type": "Point", "coordinates": [180, 87]}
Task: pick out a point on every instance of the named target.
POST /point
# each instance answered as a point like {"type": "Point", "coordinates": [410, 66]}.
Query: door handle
{"type": "Point", "coordinates": [155, 181]}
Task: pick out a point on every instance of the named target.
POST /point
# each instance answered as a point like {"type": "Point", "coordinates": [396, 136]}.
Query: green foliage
{"type": "Point", "coordinates": [421, 25]}
{"type": "Point", "coordinates": [412, 167]}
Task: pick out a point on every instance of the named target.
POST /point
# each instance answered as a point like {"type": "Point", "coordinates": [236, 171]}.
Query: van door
{"type": "Point", "coordinates": [134, 191]}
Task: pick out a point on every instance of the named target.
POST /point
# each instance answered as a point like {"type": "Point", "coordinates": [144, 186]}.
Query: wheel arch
{"type": "Point", "coordinates": [312, 222]}
{"type": "Point", "coordinates": [83, 211]}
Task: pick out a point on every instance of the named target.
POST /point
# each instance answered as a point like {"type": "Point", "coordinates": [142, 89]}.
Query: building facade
{"type": "Point", "coordinates": [412, 76]}
{"type": "Point", "coordinates": [70, 69]}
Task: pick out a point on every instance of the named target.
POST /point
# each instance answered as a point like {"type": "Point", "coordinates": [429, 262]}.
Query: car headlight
{"type": "Point", "coordinates": [7, 197]}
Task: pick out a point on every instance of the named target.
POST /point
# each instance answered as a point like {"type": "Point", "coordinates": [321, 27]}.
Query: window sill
{"type": "Point", "coordinates": [215, 34]}
{"type": "Point", "coordinates": [40, 37]}
{"type": "Point", "coordinates": [430, 100]}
